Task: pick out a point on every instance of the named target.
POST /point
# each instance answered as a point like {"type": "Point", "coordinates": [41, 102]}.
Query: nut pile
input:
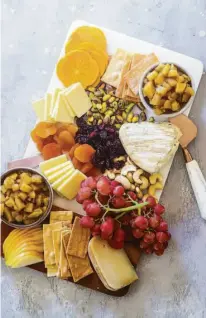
{"type": "Point", "coordinates": [135, 179]}
{"type": "Point", "coordinates": [109, 109]}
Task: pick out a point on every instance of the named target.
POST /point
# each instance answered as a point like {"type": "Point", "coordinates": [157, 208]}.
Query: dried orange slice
{"type": "Point", "coordinates": [77, 66]}
{"type": "Point", "coordinates": [96, 82]}
{"type": "Point", "coordinates": [87, 34]}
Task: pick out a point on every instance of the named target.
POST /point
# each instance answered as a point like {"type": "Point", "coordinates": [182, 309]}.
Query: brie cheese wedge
{"type": "Point", "coordinates": [150, 145]}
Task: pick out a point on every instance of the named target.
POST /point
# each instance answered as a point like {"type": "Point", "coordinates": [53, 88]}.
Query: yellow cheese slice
{"type": "Point", "coordinates": [39, 107]}
{"type": "Point", "coordinates": [55, 176]}
{"type": "Point", "coordinates": [57, 168]}
{"type": "Point", "coordinates": [57, 216]}
{"type": "Point", "coordinates": [70, 186]}
{"type": "Point", "coordinates": [49, 255]}
{"type": "Point", "coordinates": [77, 99]}
{"type": "Point", "coordinates": [48, 98]}
{"type": "Point", "coordinates": [60, 112]}
{"type": "Point", "coordinates": [112, 265]}
{"type": "Point", "coordinates": [70, 110]}
{"type": "Point", "coordinates": [58, 182]}
{"type": "Point", "coordinates": [51, 163]}
{"type": "Point", "coordinates": [54, 99]}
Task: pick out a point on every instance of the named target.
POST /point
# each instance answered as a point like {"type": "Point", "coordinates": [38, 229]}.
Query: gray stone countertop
{"type": "Point", "coordinates": [171, 286]}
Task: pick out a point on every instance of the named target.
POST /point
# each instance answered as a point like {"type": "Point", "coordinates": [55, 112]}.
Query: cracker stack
{"type": "Point", "coordinates": [65, 247]}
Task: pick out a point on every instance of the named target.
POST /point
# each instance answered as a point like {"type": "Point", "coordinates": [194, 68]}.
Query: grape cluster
{"type": "Point", "coordinates": [100, 196]}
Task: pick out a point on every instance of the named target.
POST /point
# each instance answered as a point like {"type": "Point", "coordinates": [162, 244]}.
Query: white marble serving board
{"type": "Point", "coordinates": [118, 40]}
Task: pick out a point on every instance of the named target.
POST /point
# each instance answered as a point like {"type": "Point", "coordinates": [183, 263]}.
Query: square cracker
{"type": "Point", "coordinates": [49, 255]}
{"type": "Point", "coordinates": [52, 271]}
{"type": "Point", "coordinates": [133, 76]}
{"type": "Point", "coordinates": [80, 267]}
{"type": "Point", "coordinates": [57, 216]}
{"type": "Point", "coordinates": [64, 271]}
{"type": "Point", "coordinates": [79, 240]}
{"type": "Point", "coordinates": [125, 69]}
{"type": "Point", "coordinates": [114, 70]}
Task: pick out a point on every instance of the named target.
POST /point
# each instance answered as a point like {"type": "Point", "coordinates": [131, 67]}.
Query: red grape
{"type": "Point", "coordinates": [114, 184]}
{"type": "Point", "coordinates": [153, 222]}
{"type": "Point", "coordinates": [115, 244]}
{"type": "Point", "coordinates": [132, 223]}
{"type": "Point", "coordinates": [158, 246]}
{"type": "Point", "coordinates": [119, 235]}
{"type": "Point", "coordinates": [93, 209]}
{"type": "Point", "coordinates": [159, 252]}
{"type": "Point", "coordinates": [141, 222]}
{"type": "Point", "coordinates": [107, 228]}
{"type": "Point", "coordinates": [169, 235]}
{"type": "Point", "coordinates": [96, 230]}
{"type": "Point", "coordinates": [148, 250]}
{"type": "Point", "coordinates": [79, 199]}
{"type": "Point", "coordinates": [91, 183]}
{"type": "Point", "coordinates": [163, 227]}
{"type": "Point", "coordinates": [165, 245]}
{"type": "Point", "coordinates": [143, 244]}
{"type": "Point", "coordinates": [151, 201]}
{"type": "Point", "coordinates": [159, 209]}
{"type": "Point", "coordinates": [87, 222]}
{"type": "Point", "coordinates": [83, 184]}
{"type": "Point", "coordinates": [149, 237]}
{"type": "Point", "coordinates": [132, 195]}
{"type": "Point", "coordinates": [137, 233]}
{"type": "Point", "coordinates": [84, 193]}
{"type": "Point", "coordinates": [161, 237]}
{"type": "Point", "coordinates": [86, 202]}
{"type": "Point", "coordinates": [127, 203]}
{"type": "Point", "coordinates": [103, 199]}
{"type": "Point", "coordinates": [103, 186]}
{"type": "Point", "coordinates": [118, 202]}
{"type": "Point", "coordinates": [118, 191]}
{"type": "Point", "coordinates": [125, 219]}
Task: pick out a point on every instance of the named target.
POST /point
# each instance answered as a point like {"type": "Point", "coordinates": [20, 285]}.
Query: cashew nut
{"type": "Point", "coordinates": [136, 176]}
{"type": "Point", "coordinates": [129, 161]}
{"type": "Point", "coordinates": [155, 177]}
{"type": "Point", "coordinates": [132, 187]}
{"type": "Point", "coordinates": [144, 183]}
{"type": "Point", "coordinates": [139, 193]}
{"type": "Point", "coordinates": [154, 187]}
{"type": "Point", "coordinates": [130, 177]}
{"type": "Point", "coordinates": [124, 181]}
{"type": "Point", "coordinates": [128, 168]}
{"type": "Point", "coordinates": [111, 175]}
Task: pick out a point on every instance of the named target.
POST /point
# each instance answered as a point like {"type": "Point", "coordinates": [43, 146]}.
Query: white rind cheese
{"type": "Point", "coordinates": [150, 145]}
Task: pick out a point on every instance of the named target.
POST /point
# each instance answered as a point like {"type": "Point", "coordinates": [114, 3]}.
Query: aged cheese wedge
{"type": "Point", "coordinates": [57, 168]}
{"type": "Point", "coordinates": [49, 255]}
{"type": "Point", "coordinates": [150, 145]}
{"type": "Point", "coordinates": [57, 216]}
{"type": "Point", "coordinates": [61, 180]}
{"type": "Point", "coordinates": [60, 112]}
{"type": "Point", "coordinates": [55, 176]}
{"type": "Point", "coordinates": [113, 266]}
{"type": "Point", "coordinates": [39, 107]}
{"type": "Point", "coordinates": [48, 99]}
{"type": "Point", "coordinates": [69, 188]}
{"type": "Point", "coordinates": [77, 99]}
{"type": "Point", "coordinates": [51, 163]}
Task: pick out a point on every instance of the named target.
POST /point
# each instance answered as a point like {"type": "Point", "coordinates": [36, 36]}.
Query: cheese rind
{"type": "Point", "coordinates": [113, 265]}
{"type": "Point", "coordinates": [51, 163]}
{"type": "Point", "coordinates": [78, 100]}
{"type": "Point", "coordinates": [70, 187]}
{"type": "Point", "coordinates": [39, 107]}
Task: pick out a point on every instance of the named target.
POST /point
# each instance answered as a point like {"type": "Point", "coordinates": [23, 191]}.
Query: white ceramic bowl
{"type": "Point", "coordinates": [149, 107]}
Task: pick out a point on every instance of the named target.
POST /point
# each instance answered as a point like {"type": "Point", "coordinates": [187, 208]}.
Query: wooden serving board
{"type": "Point", "coordinates": [92, 281]}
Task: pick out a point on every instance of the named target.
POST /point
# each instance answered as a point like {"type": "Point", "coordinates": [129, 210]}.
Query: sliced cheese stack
{"type": "Point", "coordinates": [63, 104]}
{"type": "Point", "coordinates": [62, 176]}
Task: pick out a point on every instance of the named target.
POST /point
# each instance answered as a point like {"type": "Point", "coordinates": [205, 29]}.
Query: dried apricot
{"type": "Point", "coordinates": [86, 167]}
{"type": "Point", "coordinates": [73, 129]}
{"type": "Point", "coordinates": [94, 172]}
{"type": "Point", "coordinates": [84, 153]}
{"type": "Point", "coordinates": [51, 150]}
{"type": "Point", "coordinates": [39, 145]}
{"type": "Point", "coordinates": [77, 164]}
{"type": "Point", "coordinates": [67, 138]}
{"type": "Point", "coordinates": [44, 129]}
{"type": "Point", "coordinates": [71, 152]}
{"type": "Point", "coordinates": [48, 140]}
{"type": "Point", "coordinates": [34, 136]}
